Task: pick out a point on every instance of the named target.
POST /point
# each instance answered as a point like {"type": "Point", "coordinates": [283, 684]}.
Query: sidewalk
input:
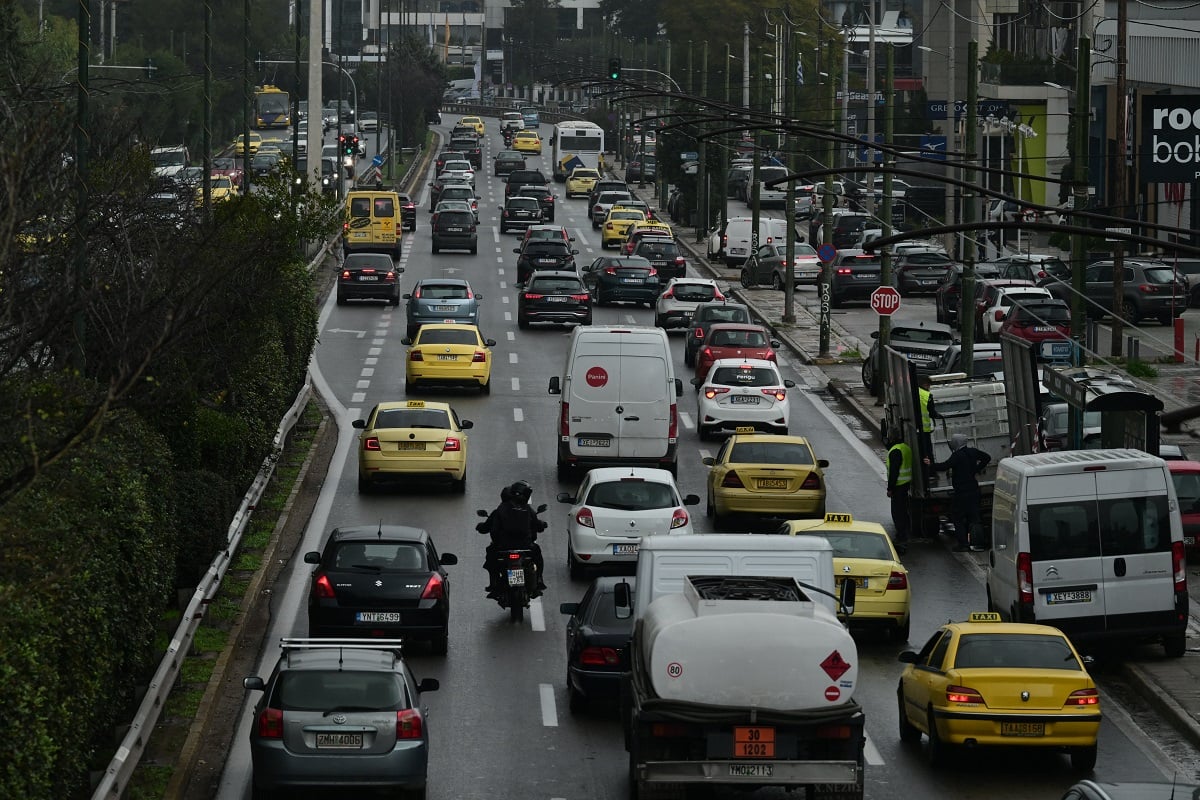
{"type": "Point", "coordinates": [1170, 686]}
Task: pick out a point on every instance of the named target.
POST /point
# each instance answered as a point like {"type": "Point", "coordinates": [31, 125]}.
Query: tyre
{"type": "Point", "coordinates": [777, 282]}
{"type": "Point", "coordinates": [410, 388]}
{"type": "Point", "coordinates": [522, 323]}
{"type": "Point", "coordinates": [658, 321]}
{"type": "Point", "coordinates": [563, 471]}
{"type": "Point", "coordinates": [937, 748]}
{"type": "Point", "coordinates": [601, 298]}
{"type": "Point", "coordinates": [440, 645]}
{"type": "Point", "coordinates": [574, 568]}
{"type": "Point", "coordinates": [411, 330]}
{"type": "Point", "coordinates": [364, 485]}
{"type": "Point", "coordinates": [689, 358]}
{"type": "Point", "coordinates": [394, 301]}
{"type": "Point", "coordinates": [486, 388]}
{"type": "Point", "coordinates": [435, 248]}
{"type": "Point", "coordinates": [414, 794]}
{"type": "Point", "coordinates": [1083, 759]}
{"type": "Point", "coordinates": [836, 300]}
{"type": "Point", "coordinates": [516, 612]}
{"type": "Point", "coordinates": [867, 377]}
{"type": "Point", "coordinates": [576, 702]}
{"type": "Point", "coordinates": [261, 794]}
{"type": "Point", "coordinates": [703, 432]}
{"type": "Point", "coordinates": [1165, 319]}
{"type": "Point", "coordinates": [341, 300]}
{"type": "Point", "coordinates": [743, 279]}
{"type": "Point", "coordinates": [899, 633]}
{"type": "Point", "coordinates": [909, 733]}
{"type": "Point", "coordinates": [710, 510]}
{"type": "Point", "coordinates": [1175, 645]}
{"type": "Point", "coordinates": [459, 486]}
{"type": "Point", "coordinates": [474, 249]}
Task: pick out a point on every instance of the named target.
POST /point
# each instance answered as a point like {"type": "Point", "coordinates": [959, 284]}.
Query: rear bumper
{"type": "Point", "coordinates": [359, 291]}
{"type": "Point", "coordinates": [582, 316]}
{"type": "Point", "coordinates": [277, 768]}
{"type": "Point", "coordinates": [782, 773]}
{"type": "Point", "coordinates": [667, 460]}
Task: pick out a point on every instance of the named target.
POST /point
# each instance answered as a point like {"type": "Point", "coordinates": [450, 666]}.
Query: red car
{"type": "Point", "coordinates": [225, 167]}
{"type": "Point", "coordinates": [733, 341]}
{"type": "Point", "coordinates": [1046, 323]}
{"type": "Point", "coordinates": [1186, 477]}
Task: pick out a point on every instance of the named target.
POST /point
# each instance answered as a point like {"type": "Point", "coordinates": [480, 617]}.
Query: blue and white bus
{"type": "Point", "coordinates": [577, 143]}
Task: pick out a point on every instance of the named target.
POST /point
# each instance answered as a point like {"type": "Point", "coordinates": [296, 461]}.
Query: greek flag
{"type": "Point", "coordinates": [799, 72]}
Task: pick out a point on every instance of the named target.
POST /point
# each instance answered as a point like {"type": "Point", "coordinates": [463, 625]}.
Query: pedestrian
{"type": "Point", "coordinates": [928, 415]}
{"type": "Point", "coordinates": [964, 464]}
{"type": "Point", "coordinates": [899, 481]}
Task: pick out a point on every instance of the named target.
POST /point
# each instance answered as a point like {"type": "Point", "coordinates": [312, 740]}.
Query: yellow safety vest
{"type": "Point", "coordinates": [904, 476]}
{"type": "Point", "coordinates": [926, 419]}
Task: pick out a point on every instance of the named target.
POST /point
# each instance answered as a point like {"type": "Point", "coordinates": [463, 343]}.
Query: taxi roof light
{"type": "Point", "coordinates": [984, 616]}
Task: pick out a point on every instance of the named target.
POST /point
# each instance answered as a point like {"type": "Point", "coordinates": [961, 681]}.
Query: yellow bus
{"type": "Point", "coordinates": [271, 108]}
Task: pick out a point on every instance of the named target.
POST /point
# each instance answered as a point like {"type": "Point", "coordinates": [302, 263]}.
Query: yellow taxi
{"type": "Point", "coordinates": [412, 439]}
{"type": "Point", "coordinates": [863, 552]}
{"type": "Point", "coordinates": [581, 181]}
{"type": "Point", "coordinates": [473, 122]}
{"type": "Point", "coordinates": [641, 230]}
{"type": "Point", "coordinates": [617, 225]}
{"type": "Point", "coordinates": [221, 189]}
{"type": "Point", "coordinates": [527, 142]}
{"type": "Point", "coordinates": [987, 682]}
{"type": "Point", "coordinates": [446, 354]}
{"type": "Point", "coordinates": [767, 475]}
{"type": "Point", "coordinates": [240, 143]}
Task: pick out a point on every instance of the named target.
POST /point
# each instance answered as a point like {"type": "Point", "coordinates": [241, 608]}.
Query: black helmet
{"type": "Point", "coordinates": [520, 492]}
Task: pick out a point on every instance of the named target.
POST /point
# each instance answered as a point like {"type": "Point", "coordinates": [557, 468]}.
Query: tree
{"type": "Point", "coordinates": [531, 26]}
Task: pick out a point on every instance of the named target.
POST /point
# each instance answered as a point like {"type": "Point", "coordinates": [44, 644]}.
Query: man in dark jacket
{"type": "Point", "coordinates": [513, 525]}
{"type": "Point", "coordinates": [964, 464]}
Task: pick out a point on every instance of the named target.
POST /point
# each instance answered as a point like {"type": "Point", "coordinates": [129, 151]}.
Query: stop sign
{"type": "Point", "coordinates": [885, 300]}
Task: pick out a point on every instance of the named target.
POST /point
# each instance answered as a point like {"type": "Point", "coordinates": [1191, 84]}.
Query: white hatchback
{"type": "Point", "coordinates": [994, 316]}
{"type": "Point", "coordinates": [615, 508]}
{"type": "Point", "coordinates": [679, 300]}
{"type": "Point", "coordinates": [743, 392]}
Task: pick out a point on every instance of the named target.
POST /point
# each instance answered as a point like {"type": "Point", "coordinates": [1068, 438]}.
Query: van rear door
{"type": "Point", "coordinates": [1067, 570]}
{"type": "Point", "coordinates": [595, 395]}
{"type": "Point", "coordinates": [644, 413]}
{"type": "Point", "coordinates": [1135, 538]}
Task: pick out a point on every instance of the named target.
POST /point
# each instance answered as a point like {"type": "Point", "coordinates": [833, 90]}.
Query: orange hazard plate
{"type": "Point", "coordinates": [753, 742]}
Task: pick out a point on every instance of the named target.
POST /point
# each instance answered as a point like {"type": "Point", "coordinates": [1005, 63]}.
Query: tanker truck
{"type": "Point", "coordinates": [740, 673]}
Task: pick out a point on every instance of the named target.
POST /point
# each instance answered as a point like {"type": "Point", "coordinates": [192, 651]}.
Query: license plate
{"type": "Point", "coordinates": [557, 299]}
{"type": "Point", "coordinates": [454, 230]}
{"type": "Point", "coordinates": [929, 283]}
{"type": "Point", "coordinates": [743, 400]}
{"type": "Point", "coordinates": [772, 483]}
{"type": "Point", "coordinates": [753, 742]}
{"type": "Point", "coordinates": [1080, 596]}
{"type": "Point", "coordinates": [592, 442]}
{"type": "Point", "coordinates": [445, 308]}
{"type": "Point", "coordinates": [864, 277]}
{"type": "Point", "coordinates": [625, 549]}
{"type": "Point", "coordinates": [804, 275]}
{"type": "Point", "coordinates": [340, 741]}
{"type": "Point", "coordinates": [410, 445]}
{"type": "Point", "coordinates": [1044, 328]}
{"type": "Point", "coordinates": [368, 277]}
{"type": "Point", "coordinates": [360, 234]}
{"type": "Point", "coordinates": [377, 616]}
{"type": "Point", "coordinates": [1022, 729]}
{"type": "Point", "coordinates": [546, 260]}
{"type": "Point", "coordinates": [631, 280]}
{"type": "Point", "coordinates": [516, 577]}
{"type": "Point", "coordinates": [751, 770]}
{"type": "Point", "coordinates": [861, 583]}
{"type": "Point", "coordinates": [1189, 540]}
{"type": "Point", "coordinates": [445, 357]}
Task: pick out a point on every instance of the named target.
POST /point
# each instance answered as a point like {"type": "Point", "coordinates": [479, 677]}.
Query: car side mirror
{"type": "Point", "coordinates": [428, 685]}
{"type": "Point", "coordinates": [406, 341]}
{"type": "Point", "coordinates": [565, 497]}
{"type": "Point", "coordinates": [789, 384]}
{"type": "Point", "coordinates": [822, 463]}
{"type": "Point", "coordinates": [254, 683]}
{"type": "Point", "coordinates": [623, 600]}
{"type": "Point", "coordinates": [907, 657]}
{"type": "Point", "coordinates": [361, 424]}
{"type": "Point", "coordinates": [312, 557]}
{"type": "Point", "coordinates": [695, 382]}
{"type": "Point", "coordinates": [776, 343]}
{"type": "Point", "coordinates": [708, 461]}
{"type": "Point", "coordinates": [466, 424]}
{"type": "Point", "coordinates": [541, 509]}
{"type": "Point", "coordinates": [517, 250]}
{"type": "Point", "coordinates": [574, 252]}
{"type": "Point", "coordinates": [499, 208]}
{"type": "Point", "coordinates": [678, 387]}
{"type": "Point", "coordinates": [570, 238]}
{"type": "Point", "coordinates": [407, 296]}
{"type": "Point", "coordinates": [570, 609]}
{"type": "Point", "coordinates": [554, 387]}
{"type": "Point", "coordinates": [490, 342]}
{"type": "Point", "coordinates": [874, 334]}
{"type": "Point", "coordinates": [479, 512]}
{"type": "Point", "coordinates": [448, 559]}
{"type": "Point", "coordinates": [478, 296]}
{"type": "Point", "coordinates": [691, 500]}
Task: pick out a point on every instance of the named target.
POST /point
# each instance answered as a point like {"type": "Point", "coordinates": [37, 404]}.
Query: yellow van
{"type": "Point", "coordinates": [373, 222]}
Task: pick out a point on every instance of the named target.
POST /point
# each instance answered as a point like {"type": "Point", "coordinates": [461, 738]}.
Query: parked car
{"type": "Point", "coordinates": [766, 266]}
{"type": "Point", "coordinates": [948, 296]}
{"type": "Point", "coordinates": [1047, 324]}
{"type": "Point", "coordinates": [1186, 477]}
{"type": "Point", "coordinates": [993, 316]}
{"type": "Point", "coordinates": [622, 279]}
{"type": "Point", "coordinates": [986, 362]}
{"type": "Point", "coordinates": [923, 343]}
{"type": "Point", "coordinates": [634, 170]}
{"type": "Point", "coordinates": [920, 272]}
{"type": "Point", "coordinates": [1151, 289]}
{"type": "Point", "coordinates": [1040, 269]}
{"type": "Point", "coordinates": [369, 276]}
{"type": "Point", "coordinates": [1053, 423]}
{"type": "Point", "coordinates": [554, 296]}
{"type": "Point", "coordinates": [855, 274]}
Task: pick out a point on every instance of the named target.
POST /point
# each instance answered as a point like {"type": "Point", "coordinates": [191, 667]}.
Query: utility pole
{"type": "Point", "coordinates": [702, 172]}
{"type": "Point", "coordinates": [885, 256]}
{"type": "Point", "coordinates": [967, 317]}
{"type": "Point", "coordinates": [1079, 194]}
{"type": "Point", "coordinates": [295, 93]}
{"type": "Point", "coordinates": [871, 151]}
{"type": "Point", "coordinates": [379, 79]}
{"type": "Point", "coordinates": [661, 174]}
{"type": "Point", "coordinates": [755, 206]}
{"type": "Point", "coordinates": [247, 96]}
{"type": "Point", "coordinates": [725, 149]}
{"type": "Point", "coordinates": [1121, 189]}
{"type": "Point", "coordinates": [207, 111]}
{"type": "Point", "coordinates": [783, 63]}
{"type": "Point", "coordinates": [951, 138]}
{"type": "Point", "coordinates": [83, 45]}
{"type": "Point", "coordinates": [316, 105]}
{"type": "Point", "coordinates": [827, 225]}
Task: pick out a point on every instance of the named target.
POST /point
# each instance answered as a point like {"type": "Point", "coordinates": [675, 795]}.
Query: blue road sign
{"type": "Point", "coordinates": [933, 147]}
{"type": "Point", "coordinates": [377, 161]}
{"type": "Point", "coordinates": [935, 109]}
{"type": "Point", "coordinates": [863, 155]}
{"type": "Point", "coordinates": [690, 155]}
{"type": "Point", "coordinates": [826, 252]}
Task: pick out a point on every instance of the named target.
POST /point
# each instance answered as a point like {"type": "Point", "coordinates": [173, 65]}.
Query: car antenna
{"type": "Point", "coordinates": [1174, 777]}
{"type": "Point", "coordinates": [379, 533]}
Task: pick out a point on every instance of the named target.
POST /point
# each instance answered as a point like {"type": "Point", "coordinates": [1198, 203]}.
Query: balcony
{"type": "Point", "coordinates": [1002, 68]}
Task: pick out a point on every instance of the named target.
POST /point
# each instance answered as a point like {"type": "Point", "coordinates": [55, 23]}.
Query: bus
{"type": "Point", "coordinates": [577, 143]}
{"type": "Point", "coordinates": [271, 108]}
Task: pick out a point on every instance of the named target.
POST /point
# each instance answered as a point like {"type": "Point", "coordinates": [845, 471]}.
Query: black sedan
{"type": "Point", "coordinates": [408, 212]}
{"type": "Point", "coordinates": [544, 196]}
{"type": "Point", "coordinates": [506, 161]}
{"type": "Point", "coordinates": [369, 276]}
{"type": "Point", "coordinates": [558, 297]}
{"type": "Point", "coordinates": [384, 581]}
{"type": "Point", "coordinates": [543, 254]}
{"type": "Point", "coordinates": [615, 279]}
{"type": "Point", "coordinates": [855, 274]}
{"type": "Point", "coordinates": [597, 643]}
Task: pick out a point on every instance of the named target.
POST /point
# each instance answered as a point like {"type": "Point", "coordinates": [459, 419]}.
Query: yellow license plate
{"type": "Point", "coordinates": [1022, 729]}
{"type": "Point", "coordinates": [753, 742]}
{"type": "Point", "coordinates": [410, 445]}
{"type": "Point", "coordinates": [772, 483]}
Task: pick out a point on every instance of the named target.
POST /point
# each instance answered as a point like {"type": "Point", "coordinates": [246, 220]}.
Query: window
{"type": "Point", "coordinates": [384, 207]}
{"type": "Point", "coordinates": [556, 286]}
{"type": "Point", "coordinates": [381, 555]}
{"type": "Point", "coordinates": [1014, 651]}
{"type": "Point", "coordinates": [1063, 530]}
{"type": "Point", "coordinates": [693, 293]}
{"type": "Point", "coordinates": [1159, 275]}
{"type": "Point", "coordinates": [1187, 490]}
{"type": "Point", "coordinates": [317, 691]}
{"type": "Point", "coordinates": [856, 545]}
{"type": "Point", "coordinates": [632, 496]}
{"type": "Point", "coordinates": [443, 292]}
{"type": "Point", "coordinates": [1135, 526]}
{"type": "Point", "coordinates": [937, 658]}
{"type": "Point", "coordinates": [360, 207]}
{"type": "Point", "coordinates": [746, 376]}
{"type": "Point", "coordinates": [445, 336]}
{"type": "Point", "coordinates": [579, 142]}
{"type": "Point", "coordinates": [412, 418]}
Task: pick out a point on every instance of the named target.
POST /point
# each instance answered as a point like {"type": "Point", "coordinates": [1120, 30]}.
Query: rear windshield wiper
{"type": "Point", "coordinates": [367, 567]}
{"type": "Point", "coordinates": [352, 708]}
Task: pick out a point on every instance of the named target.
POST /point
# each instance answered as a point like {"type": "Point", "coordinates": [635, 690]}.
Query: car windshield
{"type": "Point", "coordinates": [744, 375]}
{"type": "Point", "coordinates": [556, 286]}
{"type": "Point", "coordinates": [380, 555]}
{"type": "Point", "coordinates": [1014, 651]}
{"type": "Point", "coordinates": [447, 336]}
{"type": "Point", "coordinates": [435, 418]}
{"type": "Point", "coordinates": [771, 453]}
{"type": "Point", "coordinates": [922, 335]}
{"type": "Point", "coordinates": [633, 495]}
{"type": "Point", "coordinates": [442, 291]}
{"type": "Point", "coordinates": [168, 158]}
{"type": "Point", "coordinates": [720, 338]}
{"type": "Point", "coordinates": [859, 544]}
{"type": "Point", "coordinates": [693, 292]}
{"type": "Point", "coordinates": [325, 690]}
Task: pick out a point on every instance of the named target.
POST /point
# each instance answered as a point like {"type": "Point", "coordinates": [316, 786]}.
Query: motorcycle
{"type": "Point", "coordinates": [517, 576]}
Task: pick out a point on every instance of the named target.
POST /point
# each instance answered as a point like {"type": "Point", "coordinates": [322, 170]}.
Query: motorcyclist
{"type": "Point", "coordinates": [513, 525]}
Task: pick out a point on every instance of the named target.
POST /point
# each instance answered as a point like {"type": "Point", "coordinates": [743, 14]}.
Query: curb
{"type": "Point", "coordinates": [1162, 702]}
{"type": "Point", "coordinates": [841, 391]}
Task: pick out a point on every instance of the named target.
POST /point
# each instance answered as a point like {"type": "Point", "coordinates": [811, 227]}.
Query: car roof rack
{"type": "Point", "coordinates": [290, 644]}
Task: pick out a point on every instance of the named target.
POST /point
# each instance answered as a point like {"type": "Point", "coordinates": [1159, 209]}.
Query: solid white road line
{"type": "Point", "coordinates": [522, 450]}
{"type": "Point", "coordinates": [537, 614]}
{"type": "Point", "coordinates": [871, 754]}
{"type": "Point", "coordinates": [549, 714]}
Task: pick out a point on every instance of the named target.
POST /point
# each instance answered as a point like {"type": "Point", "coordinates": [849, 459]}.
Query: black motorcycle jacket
{"type": "Point", "coordinates": [512, 526]}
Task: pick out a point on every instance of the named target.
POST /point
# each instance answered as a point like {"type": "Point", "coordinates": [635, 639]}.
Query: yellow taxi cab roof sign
{"type": "Point", "coordinates": [839, 516]}
{"type": "Point", "coordinates": [415, 404]}
{"type": "Point", "coordinates": [984, 616]}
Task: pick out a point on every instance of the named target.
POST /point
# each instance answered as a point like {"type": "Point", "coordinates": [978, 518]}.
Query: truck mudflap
{"type": "Point", "coordinates": [775, 773]}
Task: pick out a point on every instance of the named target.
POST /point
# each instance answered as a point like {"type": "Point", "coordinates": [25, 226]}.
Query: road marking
{"type": "Point", "coordinates": [579, 237]}
{"type": "Point", "coordinates": [508, 316]}
{"type": "Point", "coordinates": [370, 361]}
{"type": "Point", "coordinates": [504, 299]}
{"type": "Point", "coordinates": [511, 335]}
{"type": "Point", "coordinates": [686, 418]}
{"type": "Point", "coordinates": [380, 342]}
{"type": "Point", "coordinates": [381, 332]}
{"type": "Point", "coordinates": [367, 372]}
{"type": "Point", "coordinates": [374, 351]}
{"type": "Point", "coordinates": [512, 358]}
{"type": "Point", "coordinates": [549, 715]}
{"type": "Point", "coordinates": [516, 384]}
{"type": "Point", "coordinates": [358, 334]}
{"type": "Point", "coordinates": [363, 385]}
{"type": "Point", "coordinates": [499, 272]}
{"type": "Point", "coordinates": [537, 614]}
{"type": "Point", "coordinates": [522, 450]}
{"type": "Point", "coordinates": [503, 284]}
{"type": "Point", "coordinates": [629, 318]}
{"type": "Point", "coordinates": [518, 415]}
{"type": "Point", "coordinates": [870, 753]}
{"type": "Point", "coordinates": [358, 397]}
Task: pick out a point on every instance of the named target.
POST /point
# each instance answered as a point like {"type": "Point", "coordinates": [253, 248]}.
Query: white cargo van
{"type": "Point", "coordinates": [617, 402]}
{"type": "Point", "coordinates": [1091, 542]}
{"type": "Point", "coordinates": [735, 241]}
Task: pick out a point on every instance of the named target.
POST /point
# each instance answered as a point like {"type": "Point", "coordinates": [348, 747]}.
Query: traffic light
{"type": "Point", "coordinates": [614, 69]}
{"type": "Point", "coordinates": [347, 144]}
{"type": "Point", "coordinates": [353, 149]}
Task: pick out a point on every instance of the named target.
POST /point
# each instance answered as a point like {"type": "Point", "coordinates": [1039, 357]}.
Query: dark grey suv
{"type": "Point", "coordinates": [454, 230]}
{"type": "Point", "coordinates": [1151, 289]}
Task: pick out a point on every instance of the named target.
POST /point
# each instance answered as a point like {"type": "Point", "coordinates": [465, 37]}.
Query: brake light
{"type": "Point", "coordinates": [813, 481]}
{"type": "Point", "coordinates": [610, 270]}
{"type": "Point", "coordinates": [532, 296]}
{"type": "Point", "coordinates": [564, 419]}
{"type": "Point", "coordinates": [453, 445]}
{"type": "Point", "coordinates": [680, 261]}
{"type": "Point", "coordinates": [415, 355]}
{"type": "Point", "coordinates": [1146, 288]}
{"type": "Point", "coordinates": [470, 293]}
{"type": "Point", "coordinates": [408, 724]}
{"type": "Point", "coordinates": [609, 226]}
{"type": "Point", "coordinates": [673, 428]}
{"type": "Point", "coordinates": [844, 271]}
{"type": "Point", "coordinates": [506, 213]}
{"type": "Point", "coordinates": [1041, 274]}
{"type": "Point", "coordinates": [416, 293]}
{"type": "Point", "coordinates": [480, 357]}
{"type": "Point", "coordinates": [679, 518]}
{"type": "Point", "coordinates": [698, 333]}
{"type": "Point", "coordinates": [323, 587]}
{"type": "Point", "coordinates": [897, 580]}
{"type": "Point", "coordinates": [1025, 578]}
{"type": "Point", "coordinates": [514, 556]}
{"type": "Point", "coordinates": [717, 294]}
{"type": "Point", "coordinates": [724, 240]}
{"type": "Point", "coordinates": [345, 274]}
{"type": "Point", "coordinates": [778, 394]}
{"type": "Point", "coordinates": [653, 272]}
{"type": "Point", "coordinates": [399, 229]}
{"type": "Point", "coordinates": [1179, 566]}
{"type": "Point", "coordinates": [999, 315]}
{"type": "Point", "coordinates": [1084, 697]}
{"type": "Point", "coordinates": [769, 355]}
{"type": "Point", "coordinates": [963, 694]}
{"type": "Point", "coordinates": [371, 443]}
{"type": "Point", "coordinates": [599, 657]}
{"type": "Point", "coordinates": [391, 276]}
{"type": "Point", "coordinates": [732, 481]}
{"type": "Point", "coordinates": [270, 723]}
{"type": "Point", "coordinates": [582, 298]}
{"type": "Point", "coordinates": [345, 227]}
{"type": "Point", "coordinates": [435, 589]}
{"type": "Point", "coordinates": [713, 391]}
{"type": "Point", "coordinates": [584, 517]}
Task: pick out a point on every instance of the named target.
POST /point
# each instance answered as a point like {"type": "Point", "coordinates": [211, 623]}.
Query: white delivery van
{"type": "Point", "coordinates": [617, 403]}
{"type": "Point", "coordinates": [736, 240]}
{"type": "Point", "coordinates": [1091, 542]}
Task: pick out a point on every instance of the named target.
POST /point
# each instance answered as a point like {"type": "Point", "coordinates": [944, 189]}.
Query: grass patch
{"type": "Point", "coordinates": [209, 640]}
{"type": "Point", "coordinates": [183, 703]}
{"type": "Point", "coordinates": [224, 610]}
{"type": "Point", "coordinates": [196, 670]}
{"type": "Point", "coordinates": [257, 537]}
{"type": "Point", "coordinates": [149, 782]}
{"type": "Point", "coordinates": [1140, 369]}
{"type": "Point", "coordinates": [248, 561]}
{"type": "Point", "coordinates": [852, 354]}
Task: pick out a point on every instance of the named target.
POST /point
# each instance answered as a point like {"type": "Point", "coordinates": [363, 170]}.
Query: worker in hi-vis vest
{"type": "Point", "coordinates": [899, 481]}
{"type": "Point", "coordinates": [928, 415]}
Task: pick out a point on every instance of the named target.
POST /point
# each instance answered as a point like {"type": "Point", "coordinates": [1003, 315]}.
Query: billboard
{"type": "Point", "coordinates": [1170, 146]}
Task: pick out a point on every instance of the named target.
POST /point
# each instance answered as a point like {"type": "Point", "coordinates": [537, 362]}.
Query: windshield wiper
{"type": "Point", "coordinates": [367, 567]}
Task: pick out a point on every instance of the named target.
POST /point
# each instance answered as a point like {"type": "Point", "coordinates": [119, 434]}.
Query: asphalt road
{"type": "Point", "coordinates": [499, 725]}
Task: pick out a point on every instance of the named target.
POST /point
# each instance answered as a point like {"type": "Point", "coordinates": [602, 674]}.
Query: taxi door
{"type": "Point", "coordinates": [927, 679]}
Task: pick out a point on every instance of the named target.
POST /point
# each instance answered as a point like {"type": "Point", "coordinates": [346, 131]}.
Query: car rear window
{"type": "Point", "coordinates": [457, 193]}
{"type": "Point", "coordinates": [523, 202]}
{"type": "Point", "coordinates": [360, 207]}
{"type": "Point", "coordinates": [556, 286]}
{"type": "Point", "coordinates": [368, 261]}
{"type": "Point", "coordinates": [744, 376]}
{"type": "Point", "coordinates": [1112, 527]}
{"type": "Point", "coordinates": [771, 453]}
{"type": "Point", "coordinates": [380, 555]}
{"type": "Point", "coordinates": [442, 291]}
{"type": "Point", "coordinates": [1187, 489]}
{"type": "Point", "coordinates": [543, 247]}
{"type": "Point", "coordinates": [737, 339]}
{"type": "Point", "coordinates": [1159, 275]}
{"type": "Point", "coordinates": [1008, 298]}
{"type": "Point", "coordinates": [1014, 651]}
{"type": "Point", "coordinates": [692, 292]}
{"type": "Point", "coordinates": [455, 218]}
{"type": "Point", "coordinates": [434, 418]}
{"type": "Point", "coordinates": [1053, 314]}
{"type": "Point", "coordinates": [657, 248]}
{"type": "Point", "coordinates": [313, 690]}
{"type": "Point", "coordinates": [631, 496]}
{"type": "Point", "coordinates": [384, 207]}
{"type": "Point", "coordinates": [725, 314]}
{"type": "Point", "coordinates": [447, 336]}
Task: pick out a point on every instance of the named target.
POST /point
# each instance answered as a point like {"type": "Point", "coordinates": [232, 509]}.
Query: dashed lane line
{"type": "Point", "coordinates": [549, 713]}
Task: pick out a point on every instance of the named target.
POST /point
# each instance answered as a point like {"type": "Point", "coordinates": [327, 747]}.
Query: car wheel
{"type": "Point", "coordinates": [440, 645]}
{"type": "Point", "coordinates": [563, 471]}
{"type": "Point", "coordinates": [1083, 759]}
{"type": "Point", "coordinates": [710, 510]}
{"type": "Point", "coordinates": [937, 748]}
{"type": "Point", "coordinates": [522, 323]}
{"type": "Point", "coordinates": [836, 300]}
{"type": "Point", "coordinates": [410, 388]}
{"type": "Point", "coordinates": [394, 300]}
{"type": "Point", "coordinates": [899, 633]}
{"type": "Point", "coordinates": [587, 320]}
{"type": "Point", "coordinates": [435, 248]}
{"type": "Point", "coordinates": [941, 315]}
{"type": "Point", "coordinates": [704, 432]}
{"type": "Point", "coordinates": [364, 485]}
{"type": "Point", "coordinates": [601, 299]}
{"type": "Point", "coordinates": [261, 794]}
{"type": "Point", "coordinates": [866, 376]}
{"type": "Point", "coordinates": [414, 794]}
{"type": "Point", "coordinates": [658, 321]}
{"type": "Point", "coordinates": [777, 282]}
{"type": "Point", "coordinates": [474, 249]}
{"type": "Point", "coordinates": [486, 388]}
{"type": "Point", "coordinates": [459, 486]}
{"type": "Point", "coordinates": [341, 300]}
{"type": "Point", "coordinates": [576, 702]}
{"type": "Point", "coordinates": [574, 568]}
{"type": "Point", "coordinates": [1175, 645]}
{"type": "Point", "coordinates": [1165, 319]}
{"type": "Point", "coordinates": [689, 358]}
{"type": "Point", "coordinates": [909, 733]}
{"type": "Point", "coordinates": [744, 279]}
